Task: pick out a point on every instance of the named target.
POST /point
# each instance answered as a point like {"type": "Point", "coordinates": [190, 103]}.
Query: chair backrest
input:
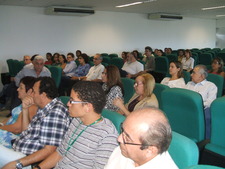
{"type": "Point", "coordinates": [158, 91]}
{"type": "Point", "coordinates": [10, 67]}
{"type": "Point", "coordinates": [106, 59]}
{"type": "Point", "coordinates": [172, 57]}
{"type": "Point", "coordinates": [128, 85]}
{"type": "Point", "coordinates": [115, 117]}
{"type": "Point", "coordinates": [112, 55]}
{"type": "Point", "coordinates": [203, 167]}
{"type": "Point", "coordinates": [162, 64]}
{"type": "Point", "coordinates": [218, 81]}
{"type": "Point", "coordinates": [217, 141]}
{"type": "Point", "coordinates": [183, 151]}
{"type": "Point", "coordinates": [205, 58]}
{"type": "Point", "coordinates": [64, 99]}
{"type": "Point", "coordinates": [117, 62]}
{"type": "Point", "coordinates": [18, 66]}
{"type": "Point", "coordinates": [187, 76]}
{"type": "Point", "coordinates": [56, 74]}
{"type": "Point", "coordinates": [184, 109]}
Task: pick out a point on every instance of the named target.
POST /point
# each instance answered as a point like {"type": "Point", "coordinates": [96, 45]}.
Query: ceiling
{"type": "Point", "coordinates": [186, 8]}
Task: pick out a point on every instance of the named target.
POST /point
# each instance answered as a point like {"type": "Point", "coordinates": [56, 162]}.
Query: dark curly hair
{"type": "Point", "coordinates": [91, 92]}
{"type": "Point", "coordinates": [47, 85]}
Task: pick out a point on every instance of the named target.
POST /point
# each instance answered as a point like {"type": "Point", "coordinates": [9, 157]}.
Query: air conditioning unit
{"type": "Point", "coordinates": [73, 11]}
{"type": "Point", "coordinates": [166, 17]}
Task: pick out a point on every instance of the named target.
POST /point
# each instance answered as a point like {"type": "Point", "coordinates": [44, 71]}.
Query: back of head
{"type": "Point", "coordinates": [91, 92]}
{"type": "Point", "coordinates": [155, 128]}
{"type": "Point", "coordinates": [48, 86]}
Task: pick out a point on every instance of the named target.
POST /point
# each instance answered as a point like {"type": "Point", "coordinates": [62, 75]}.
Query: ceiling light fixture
{"type": "Point", "coordinates": [216, 7]}
{"type": "Point", "coordinates": [134, 3]}
{"type": "Point", "coordinates": [220, 15]}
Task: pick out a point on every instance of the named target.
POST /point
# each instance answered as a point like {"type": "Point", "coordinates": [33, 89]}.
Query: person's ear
{"type": "Point", "coordinates": [152, 151]}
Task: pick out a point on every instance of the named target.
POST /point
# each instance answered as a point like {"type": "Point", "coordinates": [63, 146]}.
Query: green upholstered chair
{"type": "Point", "coordinates": [183, 151]}
{"type": "Point", "coordinates": [221, 55]}
{"type": "Point", "coordinates": [184, 109]}
{"type": "Point", "coordinates": [56, 73]}
{"type": "Point", "coordinates": [10, 67]}
{"type": "Point", "coordinates": [187, 76]}
{"type": "Point", "coordinates": [115, 117]}
{"type": "Point", "coordinates": [105, 64]}
{"type": "Point", "coordinates": [205, 58]}
{"type": "Point", "coordinates": [128, 85]}
{"type": "Point", "coordinates": [172, 57]}
{"type": "Point", "coordinates": [158, 91]}
{"type": "Point", "coordinates": [64, 99]}
{"type": "Point", "coordinates": [117, 62]}
{"type": "Point", "coordinates": [106, 59]}
{"type": "Point", "coordinates": [203, 167]}
{"type": "Point", "coordinates": [162, 64]}
{"type": "Point", "coordinates": [217, 140]}
{"type": "Point", "coordinates": [218, 81]}
{"type": "Point", "coordinates": [113, 55]}
{"type": "Point", "coordinates": [18, 66]}
{"type": "Point", "coordinates": [104, 54]}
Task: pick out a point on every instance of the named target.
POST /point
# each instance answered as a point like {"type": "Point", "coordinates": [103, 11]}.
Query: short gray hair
{"type": "Point", "coordinates": [202, 70]}
{"type": "Point", "coordinates": [38, 57]}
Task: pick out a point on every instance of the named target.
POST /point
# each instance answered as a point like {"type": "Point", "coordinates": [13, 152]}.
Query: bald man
{"type": "Point", "coordinates": [144, 140]}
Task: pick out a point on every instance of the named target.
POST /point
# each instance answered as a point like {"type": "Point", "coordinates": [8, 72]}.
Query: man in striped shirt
{"type": "Point", "coordinates": [90, 138]}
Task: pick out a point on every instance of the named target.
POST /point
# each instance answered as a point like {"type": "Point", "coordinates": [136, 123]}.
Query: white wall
{"type": "Point", "coordinates": [220, 33]}
{"type": "Point", "coordinates": [26, 30]}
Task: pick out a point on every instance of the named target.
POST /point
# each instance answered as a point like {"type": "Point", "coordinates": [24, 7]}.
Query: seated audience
{"type": "Point", "coordinates": [155, 53]}
{"type": "Point", "coordinates": [91, 138]}
{"type": "Point", "coordinates": [49, 59]}
{"type": "Point", "coordinates": [168, 51]}
{"type": "Point", "coordinates": [83, 67]}
{"type": "Point", "coordinates": [26, 60]}
{"type": "Point", "coordinates": [149, 60]}
{"type": "Point", "coordinates": [188, 61]}
{"type": "Point", "coordinates": [176, 80]}
{"type": "Point", "coordinates": [136, 54]}
{"type": "Point", "coordinates": [55, 59]}
{"type": "Point", "coordinates": [95, 72]}
{"type": "Point", "coordinates": [144, 96]}
{"type": "Point", "coordinates": [206, 89]}
{"type": "Point", "coordinates": [217, 67]}
{"type": "Point", "coordinates": [62, 61]}
{"type": "Point", "coordinates": [131, 67]}
{"type": "Point", "coordinates": [44, 133]}
{"type": "Point", "coordinates": [181, 55]}
{"type": "Point", "coordinates": [10, 128]}
{"type": "Point", "coordinates": [144, 141]}
{"type": "Point", "coordinates": [70, 67]}
{"type": "Point", "coordinates": [112, 86]}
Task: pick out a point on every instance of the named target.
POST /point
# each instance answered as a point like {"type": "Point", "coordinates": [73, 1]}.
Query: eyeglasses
{"type": "Point", "coordinates": [138, 84]}
{"type": "Point", "coordinates": [76, 102]}
{"type": "Point", "coordinates": [124, 142]}
{"type": "Point", "coordinates": [135, 144]}
{"type": "Point", "coordinates": [215, 62]}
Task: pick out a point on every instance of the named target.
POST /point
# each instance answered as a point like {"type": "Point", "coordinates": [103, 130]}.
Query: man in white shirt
{"type": "Point", "coordinates": [206, 89]}
{"type": "Point", "coordinates": [132, 66]}
{"type": "Point", "coordinates": [144, 141]}
{"type": "Point", "coordinates": [95, 72]}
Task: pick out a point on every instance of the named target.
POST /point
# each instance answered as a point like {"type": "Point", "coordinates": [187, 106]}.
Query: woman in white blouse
{"type": "Point", "coordinates": [188, 61]}
{"type": "Point", "coordinates": [176, 80]}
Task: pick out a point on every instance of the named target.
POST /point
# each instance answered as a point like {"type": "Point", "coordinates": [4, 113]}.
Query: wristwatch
{"type": "Point", "coordinates": [19, 165]}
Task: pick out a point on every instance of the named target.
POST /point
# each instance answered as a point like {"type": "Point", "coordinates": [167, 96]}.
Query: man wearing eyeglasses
{"type": "Point", "coordinates": [91, 138]}
{"type": "Point", "coordinates": [144, 140]}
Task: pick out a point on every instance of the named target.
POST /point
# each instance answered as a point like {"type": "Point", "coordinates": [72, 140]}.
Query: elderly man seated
{"type": "Point", "coordinates": [144, 141]}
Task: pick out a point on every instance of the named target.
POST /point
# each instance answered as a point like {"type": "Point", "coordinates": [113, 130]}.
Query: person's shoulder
{"type": "Point", "coordinates": [107, 127]}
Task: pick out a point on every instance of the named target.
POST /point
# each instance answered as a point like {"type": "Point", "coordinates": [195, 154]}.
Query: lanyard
{"type": "Point", "coordinates": [71, 142]}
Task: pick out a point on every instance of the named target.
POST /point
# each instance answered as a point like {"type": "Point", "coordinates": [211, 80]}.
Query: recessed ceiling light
{"type": "Point", "coordinates": [134, 3]}
{"type": "Point", "coordinates": [216, 7]}
{"type": "Point", "coordinates": [220, 15]}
